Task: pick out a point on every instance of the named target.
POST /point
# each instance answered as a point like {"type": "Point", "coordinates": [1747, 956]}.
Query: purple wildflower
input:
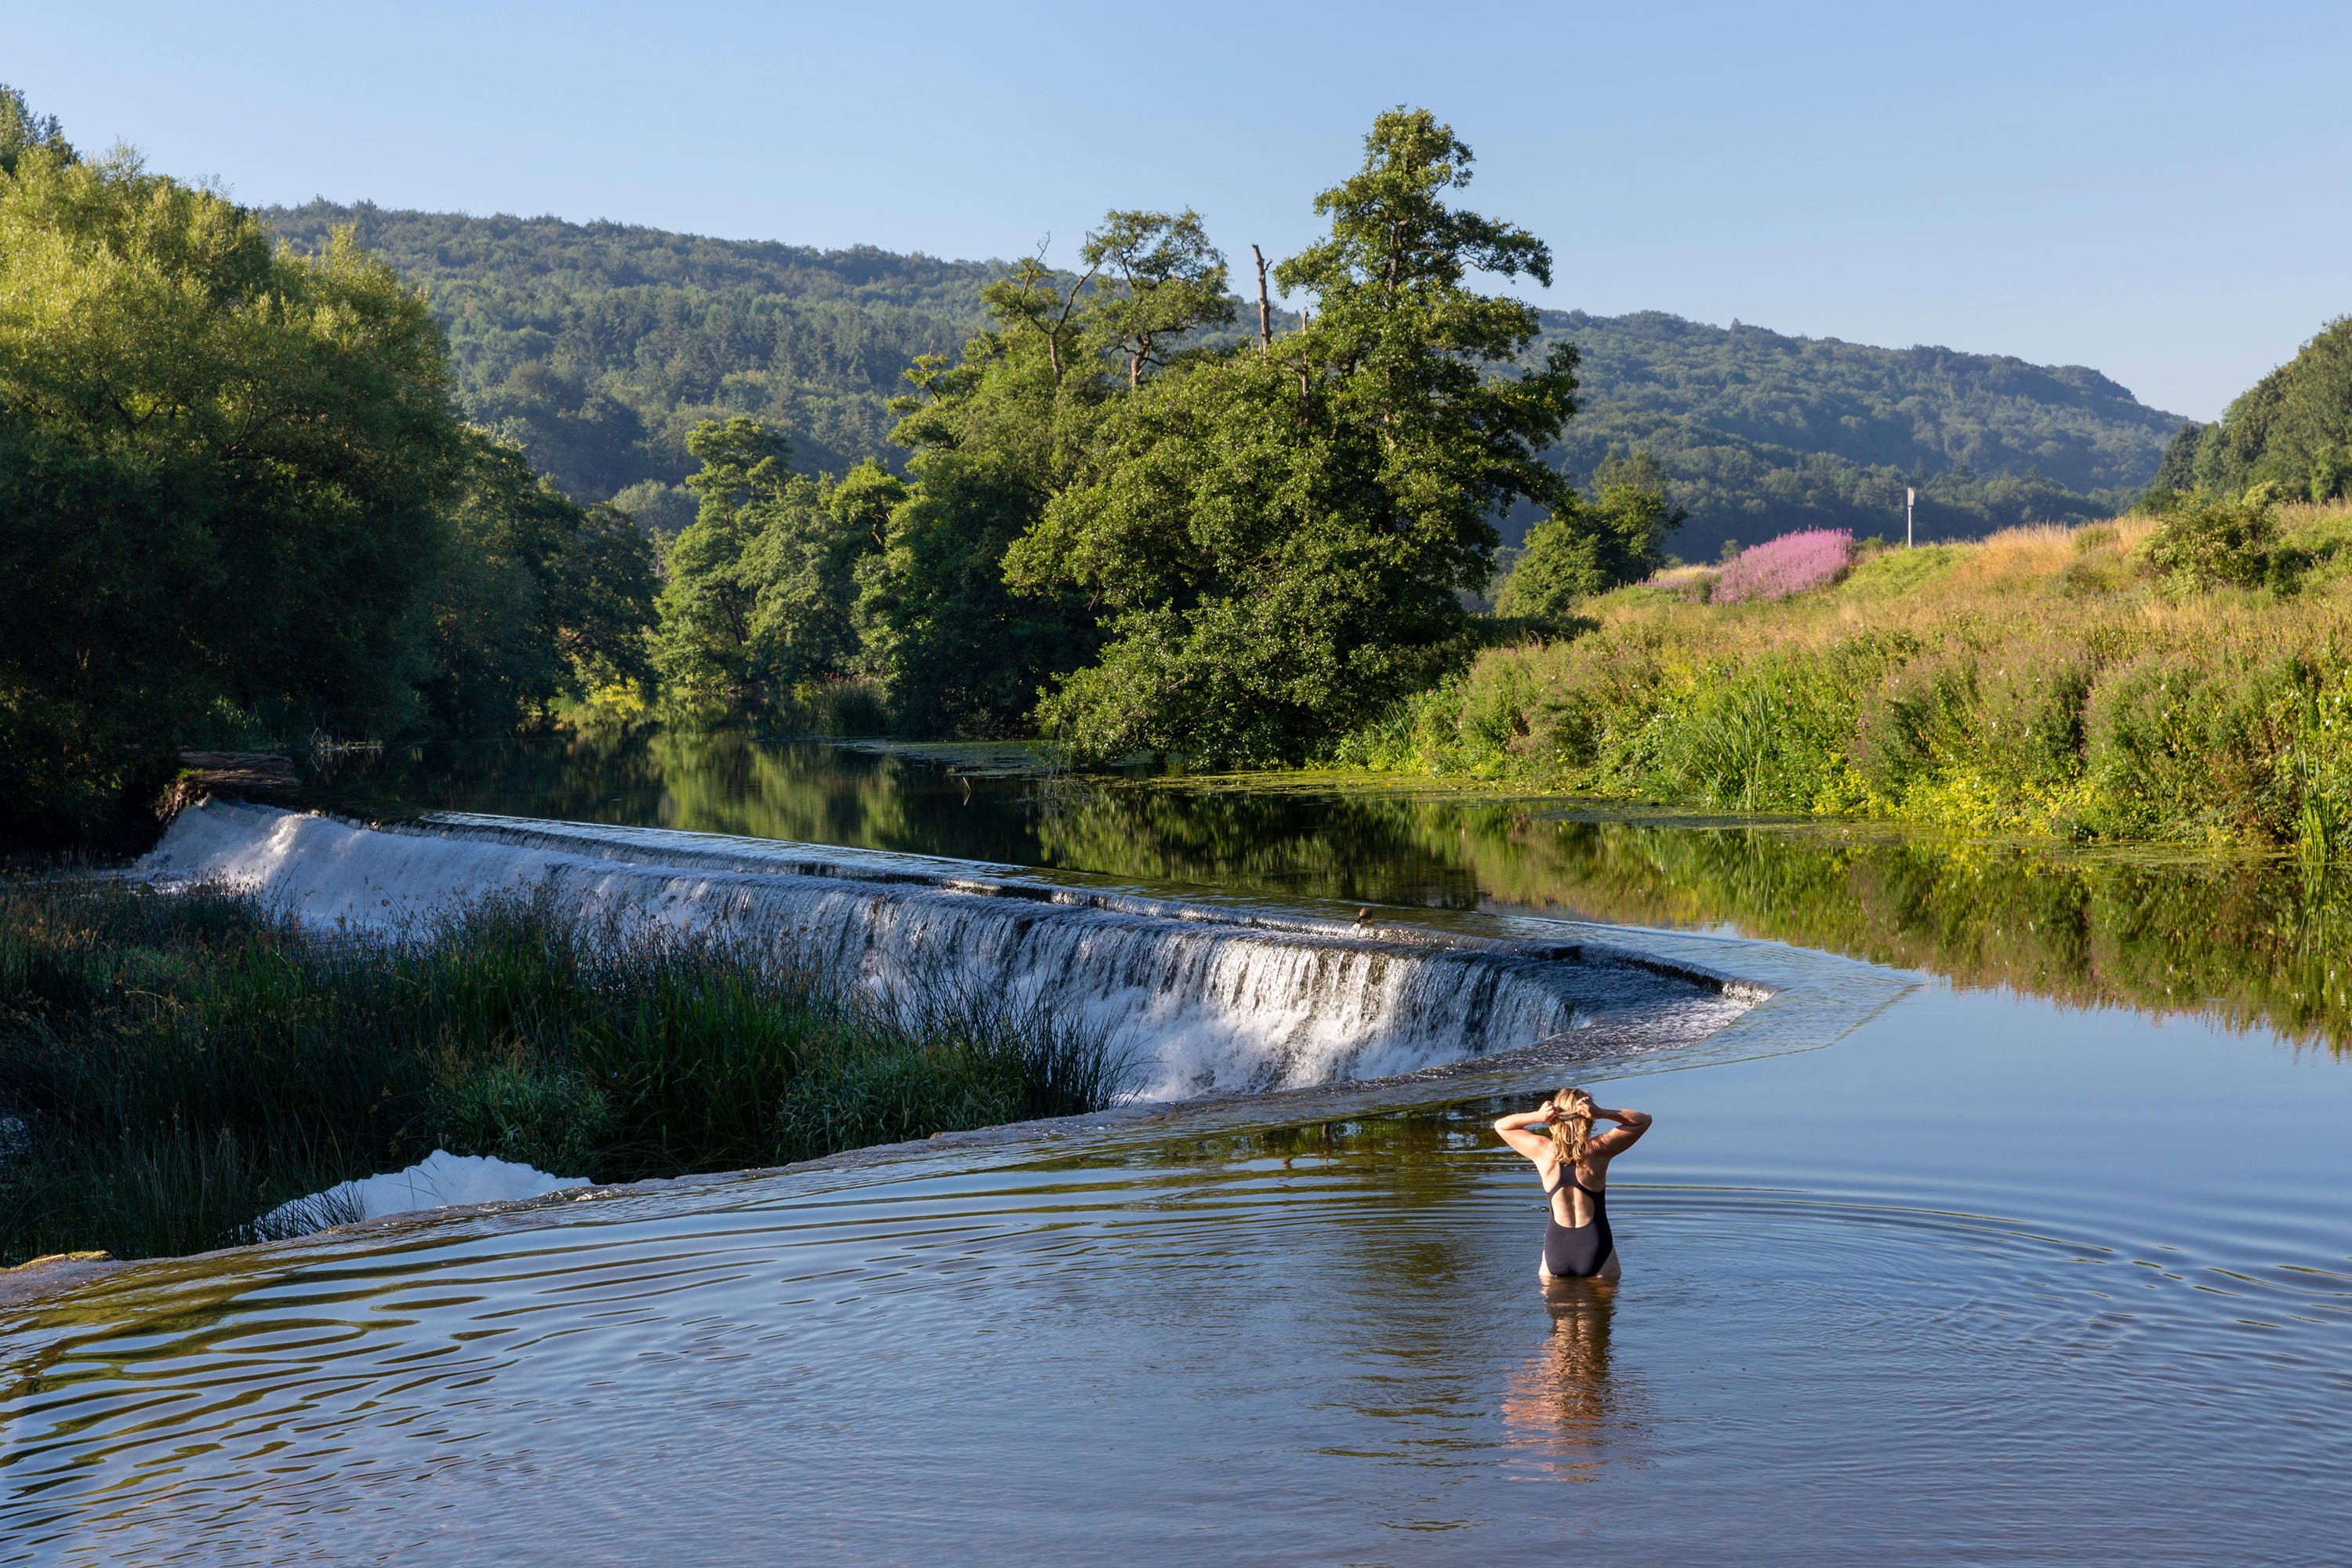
{"type": "Point", "coordinates": [1789, 564]}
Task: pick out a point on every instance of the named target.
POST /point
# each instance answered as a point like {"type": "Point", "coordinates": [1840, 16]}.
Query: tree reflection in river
{"type": "Point", "coordinates": [2239, 939]}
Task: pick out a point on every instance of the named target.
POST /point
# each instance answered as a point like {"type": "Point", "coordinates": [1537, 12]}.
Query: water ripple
{"type": "Point", "coordinates": [1050, 1364]}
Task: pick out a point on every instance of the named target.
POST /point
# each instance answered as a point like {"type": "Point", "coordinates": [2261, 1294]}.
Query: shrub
{"type": "Point", "coordinates": [2186, 744]}
{"type": "Point", "coordinates": [1791, 563]}
{"type": "Point", "coordinates": [1917, 716]}
{"type": "Point", "coordinates": [2031, 696]}
{"type": "Point", "coordinates": [2214, 542]}
{"type": "Point", "coordinates": [847, 705]}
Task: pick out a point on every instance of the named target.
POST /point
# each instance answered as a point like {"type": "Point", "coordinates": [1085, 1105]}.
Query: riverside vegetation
{"type": "Point", "coordinates": [2184, 678]}
{"type": "Point", "coordinates": [174, 1066]}
{"type": "Point", "coordinates": [237, 505]}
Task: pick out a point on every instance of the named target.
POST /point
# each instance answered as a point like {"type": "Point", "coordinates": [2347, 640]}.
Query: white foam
{"type": "Point", "coordinates": [440, 1180]}
{"type": "Point", "coordinates": [1204, 1000]}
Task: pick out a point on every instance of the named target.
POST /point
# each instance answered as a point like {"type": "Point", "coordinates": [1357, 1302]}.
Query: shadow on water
{"type": "Point", "coordinates": [2244, 939]}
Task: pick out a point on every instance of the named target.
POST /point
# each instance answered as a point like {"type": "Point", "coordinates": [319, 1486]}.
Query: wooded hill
{"type": "Point", "coordinates": [1760, 433]}
{"type": "Point", "coordinates": [598, 346]}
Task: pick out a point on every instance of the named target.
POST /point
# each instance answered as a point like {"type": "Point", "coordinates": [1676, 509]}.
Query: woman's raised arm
{"type": "Point", "coordinates": [1631, 1125]}
{"type": "Point", "coordinates": [1515, 1130]}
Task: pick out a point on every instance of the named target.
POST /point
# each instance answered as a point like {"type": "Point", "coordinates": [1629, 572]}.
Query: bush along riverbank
{"type": "Point", "coordinates": [2185, 678]}
{"type": "Point", "coordinates": [174, 1066]}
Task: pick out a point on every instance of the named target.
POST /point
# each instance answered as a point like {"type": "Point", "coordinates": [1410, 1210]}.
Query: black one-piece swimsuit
{"type": "Point", "coordinates": [1576, 1251]}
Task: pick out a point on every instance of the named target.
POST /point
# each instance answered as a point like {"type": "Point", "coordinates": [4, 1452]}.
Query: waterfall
{"type": "Point", "coordinates": [1212, 1000]}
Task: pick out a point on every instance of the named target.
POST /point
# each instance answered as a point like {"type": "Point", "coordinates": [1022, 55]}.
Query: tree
{"type": "Point", "coordinates": [1172, 281]}
{"type": "Point", "coordinates": [994, 438]}
{"type": "Point", "coordinates": [1281, 541]}
{"type": "Point", "coordinates": [1617, 537]}
{"type": "Point", "coordinates": [537, 597]}
{"type": "Point", "coordinates": [223, 474]}
{"type": "Point", "coordinates": [805, 565]}
{"type": "Point", "coordinates": [703, 646]}
{"type": "Point", "coordinates": [763, 583]}
{"type": "Point", "coordinates": [602, 600]}
{"type": "Point", "coordinates": [2292, 429]}
{"type": "Point", "coordinates": [21, 130]}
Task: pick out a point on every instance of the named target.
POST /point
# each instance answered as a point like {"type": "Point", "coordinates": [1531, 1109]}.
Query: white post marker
{"type": "Point", "coordinates": [1910, 497]}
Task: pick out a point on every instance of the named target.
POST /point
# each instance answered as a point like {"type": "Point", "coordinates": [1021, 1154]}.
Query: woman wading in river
{"type": "Point", "coordinates": [1574, 1167]}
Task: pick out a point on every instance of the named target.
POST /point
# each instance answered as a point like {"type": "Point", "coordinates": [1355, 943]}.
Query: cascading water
{"type": "Point", "coordinates": [1212, 1001]}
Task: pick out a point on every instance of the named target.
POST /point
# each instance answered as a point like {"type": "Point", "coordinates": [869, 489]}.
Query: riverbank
{"type": "Point", "coordinates": [181, 1064]}
{"type": "Point", "coordinates": [2183, 679]}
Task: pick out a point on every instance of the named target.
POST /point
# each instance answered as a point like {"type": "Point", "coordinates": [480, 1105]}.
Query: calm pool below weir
{"type": "Point", "coordinates": [1991, 1278]}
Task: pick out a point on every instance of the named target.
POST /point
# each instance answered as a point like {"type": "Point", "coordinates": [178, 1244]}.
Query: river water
{"type": "Point", "coordinates": [1925, 1262]}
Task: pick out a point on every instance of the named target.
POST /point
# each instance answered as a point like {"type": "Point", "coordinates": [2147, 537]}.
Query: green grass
{"type": "Point", "coordinates": [178, 1064]}
{"type": "Point", "coordinates": [2186, 679]}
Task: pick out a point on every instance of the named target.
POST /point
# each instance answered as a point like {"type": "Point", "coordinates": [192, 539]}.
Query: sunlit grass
{"type": "Point", "coordinates": [2046, 680]}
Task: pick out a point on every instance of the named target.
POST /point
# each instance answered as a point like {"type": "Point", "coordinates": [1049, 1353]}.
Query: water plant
{"type": "Point", "coordinates": [174, 1066]}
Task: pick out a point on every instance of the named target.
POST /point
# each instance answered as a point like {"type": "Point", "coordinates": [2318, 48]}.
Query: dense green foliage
{"type": "Point", "coordinates": [2184, 680]}
{"type": "Point", "coordinates": [597, 348]}
{"type": "Point", "coordinates": [761, 583]}
{"type": "Point", "coordinates": [223, 475]}
{"type": "Point", "coordinates": [1118, 515]}
{"type": "Point", "coordinates": [536, 598]}
{"type": "Point", "coordinates": [1281, 535]}
{"type": "Point", "coordinates": [1182, 540]}
{"type": "Point", "coordinates": [181, 1064]}
{"type": "Point", "coordinates": [235, 502]}
{"type": "Point", "coordinates": [1585, 548]}
{"type": "Point", "coordinates": [2292, 431]}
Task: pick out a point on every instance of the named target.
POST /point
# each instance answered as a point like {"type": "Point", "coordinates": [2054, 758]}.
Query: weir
{"type": "Point", "coordinates": [1204, 999]}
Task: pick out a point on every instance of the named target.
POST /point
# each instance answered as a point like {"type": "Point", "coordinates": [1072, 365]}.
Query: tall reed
{"type": "Point", "coordinates": [174, 1066]}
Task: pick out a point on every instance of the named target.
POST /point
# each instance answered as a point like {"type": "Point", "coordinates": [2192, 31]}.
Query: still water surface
{"type": "Point", "coordinates": [1994, 1278]}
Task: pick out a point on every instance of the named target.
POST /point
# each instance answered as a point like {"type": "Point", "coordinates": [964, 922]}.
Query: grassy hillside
{"type": "Point", "coordinates": [598, 345]}
{"type": "Point", "coordinates": [2181, 680]}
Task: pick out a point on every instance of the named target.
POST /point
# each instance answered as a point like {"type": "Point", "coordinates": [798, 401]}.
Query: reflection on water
{"type": "Point", "coordinates": [2246, 940]}
{"type": "Point", "coordinates": [1563, 1404]}
{"type": "Point", "coordinates": [1987, 1279]}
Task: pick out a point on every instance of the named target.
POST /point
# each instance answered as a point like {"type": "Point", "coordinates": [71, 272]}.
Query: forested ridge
{"type": "Point", "coordinates": [598, 346]}
{"type": "Point", "coordinates": [1758, 432]}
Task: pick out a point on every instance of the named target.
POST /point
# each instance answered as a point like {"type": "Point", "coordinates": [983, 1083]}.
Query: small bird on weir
{"type": "Point", "coordinates": [1363, 914]}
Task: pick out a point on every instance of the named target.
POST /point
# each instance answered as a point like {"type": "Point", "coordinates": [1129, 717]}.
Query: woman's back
{"type": "Point", "coordinates": [1573, 1165]}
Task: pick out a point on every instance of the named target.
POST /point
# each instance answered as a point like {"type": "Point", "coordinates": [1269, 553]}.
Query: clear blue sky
{"type": "Point", "coordinates": [2156, 190]}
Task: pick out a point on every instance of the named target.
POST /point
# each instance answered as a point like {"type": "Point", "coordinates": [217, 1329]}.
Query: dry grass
{"type": "Point", "coordinates": [2046, 679]}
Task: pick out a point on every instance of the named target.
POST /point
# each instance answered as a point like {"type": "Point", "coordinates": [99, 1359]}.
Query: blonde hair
{"type": "Point", "coordinates": [1571, 1131]}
